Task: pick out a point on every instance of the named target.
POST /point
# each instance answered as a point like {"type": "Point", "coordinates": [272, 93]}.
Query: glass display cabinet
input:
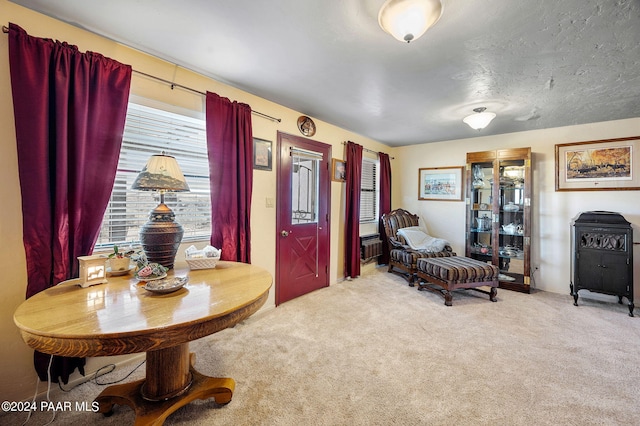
{"type": "Point", "coordinates": [498, 204]}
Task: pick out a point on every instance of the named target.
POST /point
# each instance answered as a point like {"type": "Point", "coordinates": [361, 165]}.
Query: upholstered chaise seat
{"type": "Point", "coordinates": [401, 256]}
{"type": "Point", "coordinates": [459, 272]}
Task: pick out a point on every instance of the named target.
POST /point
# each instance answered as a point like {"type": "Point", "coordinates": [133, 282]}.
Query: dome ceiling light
{"type": "Point", "coordinates": [480, 119]}
{"type": "Point", "coordinates": [407, 20]}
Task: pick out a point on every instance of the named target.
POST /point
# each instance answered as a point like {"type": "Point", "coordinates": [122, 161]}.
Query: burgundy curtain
{"type": "Point", "coordinates": [352, 211]}
{"type": "Point", "coordinates": [70, 109]}
{"type": "Point", "coordinates": [230, 150]}
{"type": "Point", "coordinates": [385, 203]}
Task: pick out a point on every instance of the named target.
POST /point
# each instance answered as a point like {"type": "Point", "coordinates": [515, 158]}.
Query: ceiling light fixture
{"type": "Point", "coordinates": [407, 20]}
{"type": "Point", "coordinates": [480, 119]}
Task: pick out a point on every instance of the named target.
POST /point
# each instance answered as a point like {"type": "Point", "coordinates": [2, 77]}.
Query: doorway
{"type": "Point", "coordinates": [302, 216]}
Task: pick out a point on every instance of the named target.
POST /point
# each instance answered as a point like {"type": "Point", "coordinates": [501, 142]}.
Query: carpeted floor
{"type": "Point", "coordinates": [374, 351]}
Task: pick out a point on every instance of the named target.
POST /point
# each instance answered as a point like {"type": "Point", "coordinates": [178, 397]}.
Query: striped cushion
{"type": "Point", "coordinates": [410, 257]}
{"type": "Point", "coordinates": [458, 269]}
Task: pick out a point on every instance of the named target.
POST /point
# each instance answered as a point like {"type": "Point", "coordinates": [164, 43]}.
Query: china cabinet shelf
{"type": "Point", "coordinates": [499, 215]}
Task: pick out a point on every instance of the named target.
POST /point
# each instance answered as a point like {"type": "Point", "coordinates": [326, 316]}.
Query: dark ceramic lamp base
{"type": "Point", "coordinates": [161, 236]}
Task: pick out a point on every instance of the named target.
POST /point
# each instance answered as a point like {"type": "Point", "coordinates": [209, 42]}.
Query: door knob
{"type": "Point", "coordinates": [284, 233]}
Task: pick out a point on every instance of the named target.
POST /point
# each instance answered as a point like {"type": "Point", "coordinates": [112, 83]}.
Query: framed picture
{"type": "Point", "coordinates": [338, 170]}
{"type": "Point", "coordinates": [262, 159]}
{"type": "Point", "coordinates": [440, 183]}
{"type": "Point", "coordinates": [603, 165]}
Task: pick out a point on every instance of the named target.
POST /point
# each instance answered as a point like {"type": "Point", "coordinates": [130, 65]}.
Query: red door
{"type": "Point", "coordinates": [302, 217]}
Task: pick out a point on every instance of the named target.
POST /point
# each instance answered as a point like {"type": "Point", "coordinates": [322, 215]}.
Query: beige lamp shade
{"type": "Point", "coordinates": [162, 173]}
{"type": "Point", "coordinates": [407, 20]}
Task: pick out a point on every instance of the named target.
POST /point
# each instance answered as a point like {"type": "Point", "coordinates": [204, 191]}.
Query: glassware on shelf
{"type": "Point", "coordinates": [511, 251]}
{"type": "Point", "coordinates": [511, 207]}
{"type": "Point", "coordinates": [478, 177]}
{"type": "Point", "coordinates": [483, 223]}
{"type": "Point", "coordinates": [482, 249]}
{"type": "Point", "coordinates": [512, 229]}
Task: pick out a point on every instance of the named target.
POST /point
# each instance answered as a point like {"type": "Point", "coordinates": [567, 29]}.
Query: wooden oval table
{"type": "Point", "coordinates": [121, 317]}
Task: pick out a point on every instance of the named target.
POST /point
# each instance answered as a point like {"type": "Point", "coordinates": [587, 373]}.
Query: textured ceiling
{"type": "Point", "coordinates": [536, 64]}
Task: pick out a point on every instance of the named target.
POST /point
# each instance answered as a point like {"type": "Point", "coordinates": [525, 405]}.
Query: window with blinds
{"type": "Point", "coordinates": [150, 131]}
{"type": "Point", "coordinates": [369, 191]}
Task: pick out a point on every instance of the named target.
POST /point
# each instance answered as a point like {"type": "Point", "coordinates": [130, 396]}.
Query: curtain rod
{"type": "Point", "coordinates": [172, 84]}
{"type": "Point", "coordinates": [371, 151]}
{"type": "Point", "coordinates": [5, 30]}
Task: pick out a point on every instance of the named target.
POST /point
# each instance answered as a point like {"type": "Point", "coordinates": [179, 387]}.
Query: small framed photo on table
{"type": "Point", "coordinates": [262, 159]}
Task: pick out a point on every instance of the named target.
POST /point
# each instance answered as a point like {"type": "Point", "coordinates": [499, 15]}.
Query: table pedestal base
{"type": "Point", "coordinates": [156, 412]}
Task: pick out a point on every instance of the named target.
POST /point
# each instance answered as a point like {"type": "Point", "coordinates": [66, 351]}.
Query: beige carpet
{"type": "Point", "coordinates": [374, 351]}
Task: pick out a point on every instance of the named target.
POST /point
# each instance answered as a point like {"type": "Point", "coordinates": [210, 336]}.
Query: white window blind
{"type": "Point", "coordinates": [150, 131]}
{"type": "Point", "coordinates": [369, 191]}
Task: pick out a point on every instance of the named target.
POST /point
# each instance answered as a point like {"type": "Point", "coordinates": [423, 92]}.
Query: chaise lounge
{"type": "Point", "coordinates": [402, 256]}
{"type": "Point", "coordinates": [444, 275]}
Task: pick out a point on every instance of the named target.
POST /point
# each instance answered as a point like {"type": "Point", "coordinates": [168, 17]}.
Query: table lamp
{"type": "Point", "coordinates": [161, 235]}
{"type": "Point", "coordinates": [93, 270]}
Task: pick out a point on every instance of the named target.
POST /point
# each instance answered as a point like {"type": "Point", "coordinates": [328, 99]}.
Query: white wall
{"type": "Point", "coordinates": [552, 211]}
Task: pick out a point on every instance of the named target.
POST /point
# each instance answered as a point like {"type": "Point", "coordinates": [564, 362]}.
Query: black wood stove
{"type": "Point", "coordinates": [602, 255]}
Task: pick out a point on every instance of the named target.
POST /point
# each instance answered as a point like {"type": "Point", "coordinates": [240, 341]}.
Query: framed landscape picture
{"type": "Point", "coordinates": [608, 164]}
{"type": "Point", "coordinates": [440, 183]}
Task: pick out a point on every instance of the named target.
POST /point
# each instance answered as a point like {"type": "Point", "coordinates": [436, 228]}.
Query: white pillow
{"type": "Point", "coordinates": [417, 239]}
{"type": "Point", "coordinates": [413, 228]}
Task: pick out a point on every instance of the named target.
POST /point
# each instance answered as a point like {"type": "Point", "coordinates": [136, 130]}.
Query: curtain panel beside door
{"type": "Point", "coordinates": [230, 151]}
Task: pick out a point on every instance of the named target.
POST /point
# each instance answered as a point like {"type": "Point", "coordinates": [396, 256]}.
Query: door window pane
{"type": "Point", "coordinates": [304, 189]}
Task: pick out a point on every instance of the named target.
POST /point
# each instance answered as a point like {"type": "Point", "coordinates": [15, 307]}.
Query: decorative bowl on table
{"type": "Point", "coordinates": [150, 272]}
{"type": "Point", "coordinates": [166, 285]}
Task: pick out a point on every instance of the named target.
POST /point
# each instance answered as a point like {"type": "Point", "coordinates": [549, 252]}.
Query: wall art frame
{"type": "Point", "coordinates": [262, 154]}
{"type": "Point", "coordinates": [599, 165]}
{"type": "Point", "coordinates": [338, 170]}
{"type": "Point", "coordinates": [440, 183]}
